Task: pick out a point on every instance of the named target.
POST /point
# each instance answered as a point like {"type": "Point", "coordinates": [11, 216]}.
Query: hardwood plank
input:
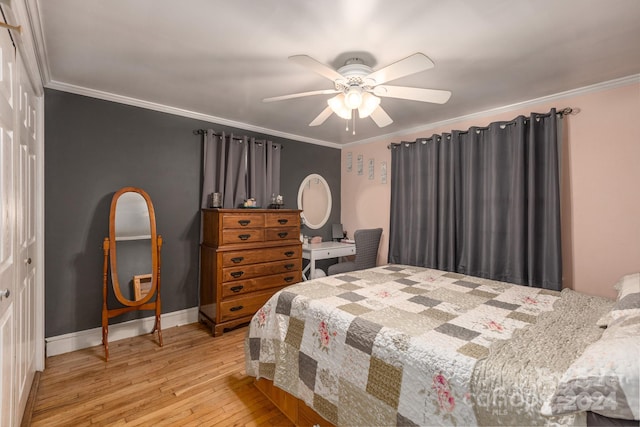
{"type": "Point", "coordinates": [194, 379]}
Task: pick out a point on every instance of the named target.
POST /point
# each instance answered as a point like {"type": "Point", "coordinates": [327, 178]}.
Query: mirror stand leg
{"type": "Point", "coordinates": [105, 341]}
{"type": "Point", "coordinates": [158, 328]}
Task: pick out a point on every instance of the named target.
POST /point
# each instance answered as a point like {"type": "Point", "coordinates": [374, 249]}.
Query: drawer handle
{"type": "Point", "coordinates": [283, 221]}
{"type": "Point", "coordinates": [237, 274]}
{"type": "Point", "coordinates": [289, 253]}
{"type": "Point", "coordinates": [236, 308]}
{"type": "Point", "coordinates": [237, 259]}
{"type": "Point", "coordinates": [288, 279]}
{"type": "Point", "coordinates": [283, 234]}
{"type": "Point", "coordinates": [244, 236]}
{"type": "Point", "coordinates": [236, 288]}
{"type": "Point", "coordinates": [244, 222]}
{"type": "Point", "coordinates": [289, 266]}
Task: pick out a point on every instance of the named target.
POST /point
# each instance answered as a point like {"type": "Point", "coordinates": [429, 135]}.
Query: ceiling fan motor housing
{"type": "Point", "coordinates": [354, 75]}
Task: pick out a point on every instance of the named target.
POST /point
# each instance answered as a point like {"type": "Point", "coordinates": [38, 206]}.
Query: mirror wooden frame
{"type": "Point", "coordinates": [110, 269]}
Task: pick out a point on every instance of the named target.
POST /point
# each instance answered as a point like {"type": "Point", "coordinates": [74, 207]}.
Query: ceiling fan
{"type": "Point", "coordinates": [360, 88]}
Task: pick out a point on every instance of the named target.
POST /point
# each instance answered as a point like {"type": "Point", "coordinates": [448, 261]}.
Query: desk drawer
{"type": "Point", "coordinates": [234, 308]}
{"type": "Point", "coordinates": [248, 235]}
{"type": "Point", "coordinates": [263, 269]}
{"type": "Point", "coordinates": [282, 219]}
{"type": "Point", "coordinates": [254, 256]}
{"type": "Point", "coordinates": [242, 287]}
{"type": "Point", "coordinates": [282, 233]}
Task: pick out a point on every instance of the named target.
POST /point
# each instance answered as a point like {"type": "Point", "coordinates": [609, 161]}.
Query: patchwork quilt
{"type": "Point", "coordinates": [392, 345]}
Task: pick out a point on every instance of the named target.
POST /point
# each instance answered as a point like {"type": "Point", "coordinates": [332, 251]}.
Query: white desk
{"type": "Point", "coordinates": [324, 250]}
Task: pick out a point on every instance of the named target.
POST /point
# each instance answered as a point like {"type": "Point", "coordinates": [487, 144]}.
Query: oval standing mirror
{"type": "Point", "coordinates": [132, 231]}
{"type": "Point", "coordinates": [132, 256]}
{"type": "Point", "coordinates": [314, 199]}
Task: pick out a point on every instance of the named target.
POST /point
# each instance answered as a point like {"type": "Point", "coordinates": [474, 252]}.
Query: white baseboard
{"type": "Point", "coordinates": [92, 337]}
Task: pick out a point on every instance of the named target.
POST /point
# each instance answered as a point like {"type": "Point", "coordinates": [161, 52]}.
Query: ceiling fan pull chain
{"type": "Point", "coordinates": [354, 124]}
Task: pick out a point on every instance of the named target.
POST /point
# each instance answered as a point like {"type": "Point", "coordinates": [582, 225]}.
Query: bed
{"type": "Point", "coordinates": [404, 345]}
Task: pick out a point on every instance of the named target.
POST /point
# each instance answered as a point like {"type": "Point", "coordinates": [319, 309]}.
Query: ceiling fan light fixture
{"type": "Point", "coordinates": [337, 104]}
{"type": "Point", "coordinates": [369, 104]}
{"type": "Point", "coordinates": [353, 97]}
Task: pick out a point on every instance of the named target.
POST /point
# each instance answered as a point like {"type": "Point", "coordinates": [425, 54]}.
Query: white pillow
{"type": "Point", "coordinates": [606, 378]}
{"type": "Point", "coordinates": [628, 301]}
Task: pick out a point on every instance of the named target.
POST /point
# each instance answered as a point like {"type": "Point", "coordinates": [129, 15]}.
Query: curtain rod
{"type": "Point", "coordinates": [564, 112]}
{"type": "Point", "coordinates": [235, 138]}
{"type": "Point", "coordinates": [204, 132]}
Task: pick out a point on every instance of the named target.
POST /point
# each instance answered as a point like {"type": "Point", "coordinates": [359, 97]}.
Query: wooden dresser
{"type": "Point", "coordinates": [245, 257]}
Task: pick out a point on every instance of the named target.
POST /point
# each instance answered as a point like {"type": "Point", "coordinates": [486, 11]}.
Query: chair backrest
{"type": "Point", "coordinates": [367, 242]}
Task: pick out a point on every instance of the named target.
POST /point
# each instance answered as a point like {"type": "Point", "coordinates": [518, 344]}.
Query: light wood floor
{"type": "Point", "coordinates": [194, 380]}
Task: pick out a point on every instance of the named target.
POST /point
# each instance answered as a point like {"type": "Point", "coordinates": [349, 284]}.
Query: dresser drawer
{"type": "Point", "coordinates": [284, 219]}
{"type": "Point", "coordinates": [254, 256]}
{"type": "Point", "coordinates": [263, 269]}
{"type": "Point", "coordinates": [243, 220]}
{"type": "Point", "coordinates": [233, 308]}
{"type": "Point", "coordinates": [242, 287]}
{"type": "Point", "coordinates": [246, 235]}
{"type": "Point", "coordinates": [282, 233]}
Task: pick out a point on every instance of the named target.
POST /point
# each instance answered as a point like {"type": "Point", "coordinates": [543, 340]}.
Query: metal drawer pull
{"type": "Point", "coordinates": [237, 259]}
{"type": "Point", "coordinates": [236, 288]}
{"type": "Point", "coordinates": [289, 266]}
{"type": "Point", "coordinates": [236, 308]}
{"type": "Point", "coordinates": [237, 274]}
{"type": "Point", "coordinates": [289, 253]}
{"type": "Point", "coordinates": [244, 222]}
{"type": "Point", "coordinates": [283, 234]}
{"type": "Point", "coordinates": [288, 279]}
{"type": "Point", "coordinates": [244, 236]}
{"type": "Point", "coordinates": [283, 221]}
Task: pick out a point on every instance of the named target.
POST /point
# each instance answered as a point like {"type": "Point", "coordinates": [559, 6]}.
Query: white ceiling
{"type": "Point", "coordinates": [217, 59]}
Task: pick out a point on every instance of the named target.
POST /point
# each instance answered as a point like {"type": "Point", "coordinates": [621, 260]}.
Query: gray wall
{"type": "Point", "coordinates": [95, 147]}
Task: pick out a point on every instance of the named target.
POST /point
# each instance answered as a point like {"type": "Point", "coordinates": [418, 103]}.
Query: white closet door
{"type": "Point", "coordinates": [19, 263]}
{"type": "Point", "coordinates": [27, 254]}
{"type": "Point", "coordinates": [8, 229]}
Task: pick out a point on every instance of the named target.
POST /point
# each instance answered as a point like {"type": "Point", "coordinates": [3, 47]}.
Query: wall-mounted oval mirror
{"type": "Point", "coordinates": [314, 199]}
{"type": "Point", "coordinates": [132, 257]}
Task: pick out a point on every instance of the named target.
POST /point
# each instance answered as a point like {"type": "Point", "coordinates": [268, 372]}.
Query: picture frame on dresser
{"type": "Point", "coordinates": [246, 255]}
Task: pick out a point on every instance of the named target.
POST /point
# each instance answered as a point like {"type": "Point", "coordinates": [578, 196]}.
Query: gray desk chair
{"type": "Point", "coordinates": [367, 242]}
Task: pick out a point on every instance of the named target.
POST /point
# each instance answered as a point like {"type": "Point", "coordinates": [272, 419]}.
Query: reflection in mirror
{"type": "Point", "coordinates": [133, 259]}
{"type": "Point", "coordinates": [132, 217]}
{"type": "Point", "coordinates": [314, 199]}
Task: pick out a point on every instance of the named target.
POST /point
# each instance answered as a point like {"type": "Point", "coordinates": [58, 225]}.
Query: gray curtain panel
{"type": "Point", "coordinates": [240, 168]}
{"type": "Point", "coordinates": [263, 174]}
{"type": "Point", "coordinates": [224, 169]}
{"type": "Point", "coordinates": [483, 202]}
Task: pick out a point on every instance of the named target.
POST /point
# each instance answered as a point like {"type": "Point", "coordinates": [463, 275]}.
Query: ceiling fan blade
{"type": "Point", "coordinates": [300, 95]}
{"type": "Point", "coordinates": [318, 67]}
{"type": "Point", "coordinates": [324, 115]}
{"type": "Point", "coordinates": [414, 93]}
{"type": "Point", "coordinates": [380, 117]}
{"type": "Point", "coordinates": [409, 65]}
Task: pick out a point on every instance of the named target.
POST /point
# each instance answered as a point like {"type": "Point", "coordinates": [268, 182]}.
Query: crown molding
{"type": "Point", "coordinates": [108, 96]}
{"type": "Point", "coordinates": [39, 46]}
{"type": "Point", "coordinates": [610, 84]}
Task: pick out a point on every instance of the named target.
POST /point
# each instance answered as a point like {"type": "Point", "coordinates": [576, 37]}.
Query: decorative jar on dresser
{"type": "Point", "coordinates": [245, 257]}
